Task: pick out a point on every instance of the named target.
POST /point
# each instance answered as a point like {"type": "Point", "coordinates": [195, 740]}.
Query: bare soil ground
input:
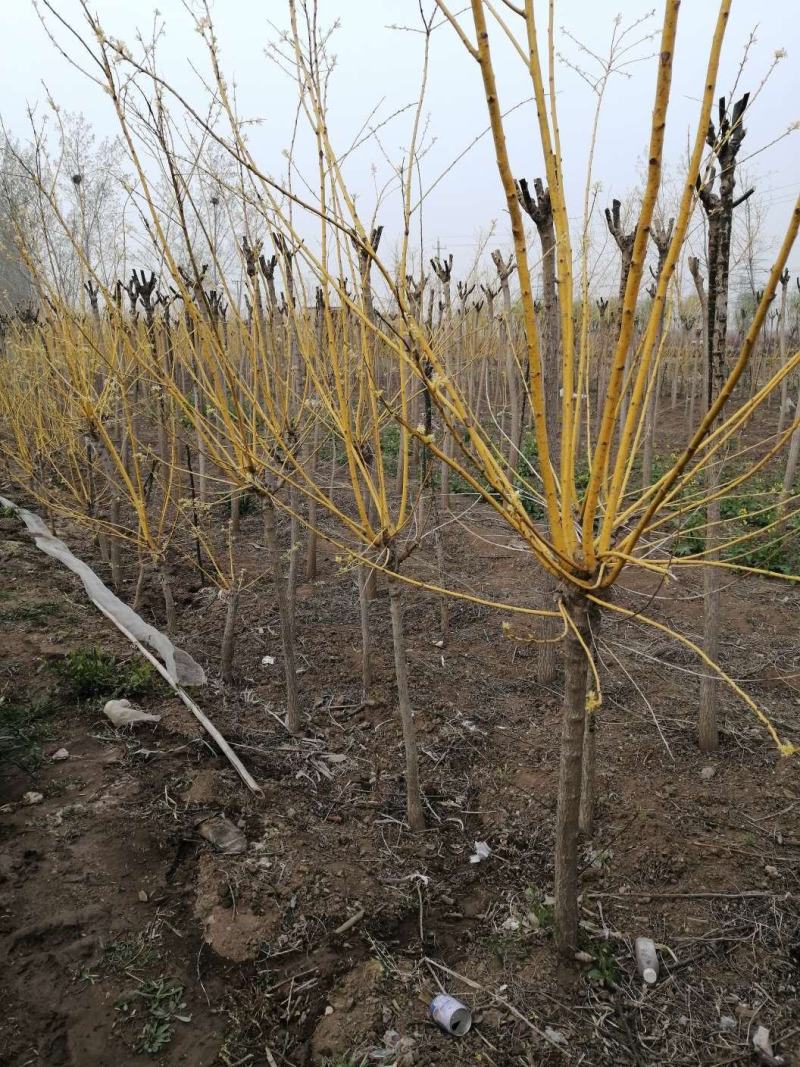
{"type": "Point", "coordinates": [128, 939]}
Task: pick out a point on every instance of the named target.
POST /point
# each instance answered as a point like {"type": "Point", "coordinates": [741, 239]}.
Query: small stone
{"type": "Point", "coordinates": [708, 773]}
{"type": "Point", "coordinates": [329, 1009]}
{"type": "Point", "coordinates": [32, 798]}
{"type": "Point", "coordinates": [773, 872]}
{"type": "Point", "coordinates": [61, 754]}
{"type": "Point", "coordinates": [143, 896]}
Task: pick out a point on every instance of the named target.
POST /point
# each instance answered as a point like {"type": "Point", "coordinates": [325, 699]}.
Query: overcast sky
{"type": "Point", "coordinates": [378, 64]}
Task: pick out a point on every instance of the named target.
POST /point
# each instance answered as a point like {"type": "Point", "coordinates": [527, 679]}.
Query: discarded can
{"type": "Point", "coordinates": [646, 959]}
{"type": "Point", "coordinates": [451, 1015]}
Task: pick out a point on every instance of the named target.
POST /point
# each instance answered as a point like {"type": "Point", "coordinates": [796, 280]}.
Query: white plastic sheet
{"type": "Point", "coordinates": [180, 666]}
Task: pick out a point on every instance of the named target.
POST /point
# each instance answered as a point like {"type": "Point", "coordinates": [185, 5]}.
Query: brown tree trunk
{"type": "Point", "coordinates": [311, 543]}
{"type": "Point", "coordinates": [414, 810]}
{"type": "Point", "coordinates": [139, 588]}
{"type": "Point", "coordinates": [116, 562]}
{"type": "Point", "coordinates": [229, 633]}
{"type": "Point", "coordinates": [588, 789]}
{"type": "Point", "coordinates": [169, 601]}
{"type": "Point", "coordinates": [366, 649]}
{"type": "Point", "coordinates": [569, 781]}
{"type": "Point", "coordinates": [707, 720]}
{"type": "Point", "coordinates": [294, 550]}
{"type": "Point", "coordinates": [286, 622]}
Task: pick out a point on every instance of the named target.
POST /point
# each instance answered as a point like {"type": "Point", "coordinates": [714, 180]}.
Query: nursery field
{"type": "Point", "coordinates": [128, 936]}
{"type": "Point", "coordinates": [400, 537]}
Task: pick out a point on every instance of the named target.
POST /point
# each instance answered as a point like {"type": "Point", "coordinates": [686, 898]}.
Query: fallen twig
{"type": "Point", "coordinates": [348, 924]}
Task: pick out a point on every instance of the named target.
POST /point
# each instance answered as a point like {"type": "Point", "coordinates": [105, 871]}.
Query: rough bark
{"type": "Point", "coordinates": [116, 562]}
{"type": "Point", "coordinates": [228, 647]}
{"type": "Point", "coordinates": [505, 269]}
{"type": "Point", "coordinates": [366, 650]}
{"type": "Point", "coordinates": [284, 615]}
{"type": "Point", "coordinates": [588, 790]}
{"type": "Point", "coordinates": [661, 236]}
{"type": "Point", "coordinates": [169, 601]}
{"type": "Point", "coordinates": [719, 207]}
{"type": "Point", "coordinates": [569, 780]}
{"type": "Point", "coordinates": [414, 810]}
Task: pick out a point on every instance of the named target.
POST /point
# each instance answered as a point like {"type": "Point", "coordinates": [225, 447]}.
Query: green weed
{"type": "Point", "coordinates": [30, 612]}
{"type": "Point", "coordinates": [164, 1005]}
{"type": "Point", "coordinates": [90, 673]}
{"type": "Point", "coordinates": [23, 729]}
{"type": "Point", "coordinates": [129, 953]}
{"type": "Point", "coordinates": [605, 968]}
{"type": "Point", "coordinates": [542, 913]}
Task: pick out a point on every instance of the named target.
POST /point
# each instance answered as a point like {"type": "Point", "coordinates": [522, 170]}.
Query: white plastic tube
{"type": "Point", "coordinates": [451, 1015]}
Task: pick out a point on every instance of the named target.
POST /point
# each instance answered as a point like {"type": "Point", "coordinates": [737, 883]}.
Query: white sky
{"type": "Point", "coordinates": [379, 63]}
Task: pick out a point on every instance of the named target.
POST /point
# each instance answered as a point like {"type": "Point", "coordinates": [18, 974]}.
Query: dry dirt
{"type": "Point", "coordinates": [110, 896]}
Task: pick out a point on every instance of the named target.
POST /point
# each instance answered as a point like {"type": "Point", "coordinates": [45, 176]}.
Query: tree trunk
{"type": "Point", "coordinates": [229, 633]}
{"type": "Point", "coordinates": [586, 813]}
{"type": "Point", "coordinates": [782, 351]}
{"type": "Point", "coordinates": [116, 562]}
{"type": "Point", "coordinates": [650, 414]}
{"type": "Point", "coordinates": [139, 589]}
{"type": "Point", "coordinates": [294, 550]}
{"type": "Point", "coordinates": [169, 601]}
{"type": "Point", "coordinates": [286, 622]}
{"type": "Point", "coordinates": [569, 780]}
{"type": "Point", "coordinates": [707, 725]}
{"type": "Point", "coordinates": [366, 651]}
{"type": "Point", "coordinates": [414, 811]}
{"type": "Point", "coordinates": [311, 543]}
{"type": "Point", "coordinates": [791, 463]}
{"type": "Point", "coordinates": [588, 791]}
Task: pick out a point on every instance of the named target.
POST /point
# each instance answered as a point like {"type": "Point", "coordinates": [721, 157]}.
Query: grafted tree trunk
{"type": "Point", "coordinates": [569, 779]}
{"type": "Point", "coordinates": [169, 600]}
{"type": "Point", "coordinates": [719, 209]}
{"type": "Point", "coordinates": [625, 242]}
{"type": "Point", "coordinates": [540, 209]}
{"type": "Point", "coordinates": [505, 268]}
{"type": "Point", "coordinates": [588, 789]}
{"type": "Point", "coordinates": [791, 463]}
{"type": "Point", "coordinates": [284, 615]}
{"type": "Point", "coordinates": [443, 269]}
{"type": "Point", "coordinates": [661, 237]}
{"type": "Point", "coordinates": [116, 562]}
{"type": "Point", "coordinates": [228, 647]}
{"type": "Point", "coordinates": [414, 810]}
{"type": "Point", "coordinates": [782, 349]}
{"type": "Point", "coordinates": [366, 644]}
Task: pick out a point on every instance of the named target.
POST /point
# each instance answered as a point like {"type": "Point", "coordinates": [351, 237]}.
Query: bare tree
{"type": "Point", "coordinates": [725, 143]}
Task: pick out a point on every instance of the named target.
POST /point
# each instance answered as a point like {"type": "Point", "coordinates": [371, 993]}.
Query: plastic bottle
{"type": "Point", "coordinates": [647, 959]}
